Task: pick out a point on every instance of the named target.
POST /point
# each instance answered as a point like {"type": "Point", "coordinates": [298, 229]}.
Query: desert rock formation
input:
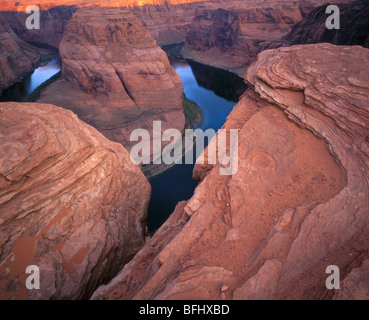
{"type": "Point", "coordinates": [297, 204]}
{"type": "Point", "coordinates": [230, 36]}
{"type": "Point", "coordinates": [71, 203]}
{"type": "Point", "coordinates": [115, 77]}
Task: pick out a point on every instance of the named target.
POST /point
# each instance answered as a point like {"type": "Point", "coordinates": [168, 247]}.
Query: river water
{"type": "Point", "coordinates": [19, 91]}
{"type": "Point", "coordinates": [215, 91]}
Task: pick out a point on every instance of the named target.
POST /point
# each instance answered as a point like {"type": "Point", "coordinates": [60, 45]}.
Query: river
{"type": "Point", "coordinates": [19, 91]}
{"type": "Point", "coordinates": [215, 91]}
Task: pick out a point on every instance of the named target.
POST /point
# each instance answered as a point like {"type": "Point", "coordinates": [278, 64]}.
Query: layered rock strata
{"type": "Point", "coordinates": [71, 203]}
{"type": "Point", "coordinates": [297, 204]}
{"type": "Point", "coordinates": [231, 35]}
{"type": "Point", "coordinates": [115, 77]}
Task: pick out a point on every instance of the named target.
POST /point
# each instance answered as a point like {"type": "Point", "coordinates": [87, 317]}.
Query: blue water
{"type": "Point", "coordinates": [19, 91]}
{"type": "Point", "coordinates": [177, 184]}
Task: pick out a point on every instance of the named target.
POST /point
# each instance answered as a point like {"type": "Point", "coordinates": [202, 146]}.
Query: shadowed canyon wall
{"type": "Point", "coordinates": [17, 58]}
{"type": "Point", "coordinates": [354, 26]}
{"type": "Point", "coordinates": [230, 37]}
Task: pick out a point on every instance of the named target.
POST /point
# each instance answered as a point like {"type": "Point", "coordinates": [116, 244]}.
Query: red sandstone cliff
{"type": "Point", "coordinates": [115, 77]}
{"type": "Point", "coordinates": [297, 204]}
{"type": "Point", "coordinates": [71, 203]}
{"type": "Point", "coordinates": [230, 35]}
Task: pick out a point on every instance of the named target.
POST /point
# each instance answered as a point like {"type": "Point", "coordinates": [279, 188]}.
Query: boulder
{"type": "Point", "coordinates": [71, 203]}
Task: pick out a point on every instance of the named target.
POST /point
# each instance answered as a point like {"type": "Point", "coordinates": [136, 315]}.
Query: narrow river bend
{"type": "Point", "coordinates": [215, 91]}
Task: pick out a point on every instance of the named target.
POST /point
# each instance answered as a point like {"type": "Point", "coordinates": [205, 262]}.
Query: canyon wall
{"type": "Point", "coordinates": [167, 21]}
{"type": "Point", "coordinates": [115, 77]}
{"type": "Point", "coordinates": [297, 204]}
{"type": "Point", "coordinates": [52, 25]}
{"type": "Point", "coordinates": [17, 58]}
{"type": "Point", "coordinates": [71, 203]}
{"type": "Point", "coordinates": [354, 26]}
{"type": "Point", "coordinates": [230, 36]}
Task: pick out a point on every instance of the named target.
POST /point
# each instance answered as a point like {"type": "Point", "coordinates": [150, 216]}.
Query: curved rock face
{"type": "Point", "coordinates": [116, 78]}
{"type": "Point", "coordinates": [354, 26]}
{"type": "Point", "coordinates": [17, 58]}
{"type": "Point", "coordinates": [297, 204]}
{"type": "Point", "coordinates": [71, 203]}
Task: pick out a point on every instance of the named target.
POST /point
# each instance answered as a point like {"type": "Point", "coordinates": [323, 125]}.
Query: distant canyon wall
{"type": "Point", "coordinates": [354, 26]}
{"type": "Point", "coordinates": [167, 21]}
{"type": "Point", "coordinates": [230, 37]}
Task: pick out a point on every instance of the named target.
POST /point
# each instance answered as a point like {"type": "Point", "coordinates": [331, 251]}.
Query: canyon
{"type": "Point", "coordinates": [298, 203]}
{"type": "Point", "coordinates": [115, 77]}
{"type": "Point", "coordinates": [73, 203]}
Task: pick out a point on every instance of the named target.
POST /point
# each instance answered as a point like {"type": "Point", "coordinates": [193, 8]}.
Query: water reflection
{"type": "Point", "coordinates": [200, 86]}
{"type": "Point", "coordinates": [19, 91]}
{"type": "Point", "coordinates": [223, 83]}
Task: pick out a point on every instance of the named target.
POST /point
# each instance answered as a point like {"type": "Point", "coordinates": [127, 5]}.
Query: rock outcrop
{"type": "Point", "coordinates": [115, 77]}
{"type": "Point", "coordinates": [17, 58]}
{"type": "Point", "coordinates": [297, 204]}
{"type": "Point", "coordinates": [71, 203]}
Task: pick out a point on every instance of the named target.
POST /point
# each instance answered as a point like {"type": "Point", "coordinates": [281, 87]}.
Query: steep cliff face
{"type": "Point", "coordinates": [52, 24]}
{"type": "Point", "coordinates": [167, 21]}
{"type": "Point", "coordinates": [115, 77]}
{"type": "Point", "coordinates": [354, 26]}
{"type": "Point", "coordinates": [230, 36]}
{"type": "Point", "coordinates": [17, 58]}
{"type": "Point", "coordinates": [71, 203]}
{"type": "Point", "coordinates": [297, 204]}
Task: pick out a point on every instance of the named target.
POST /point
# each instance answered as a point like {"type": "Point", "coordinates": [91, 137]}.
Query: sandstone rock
{"type": "Point", "coordinates": [354, 26]}
{"type": "Point", "coordinates": [71, 203]}
{"type": "Point", "coordinates": [231, 34]}
{"type": "Point", "coordinates": [115, 77]}
{"type": "Point", "coordinates": [356, 284]}
{"type": "Point", "coordinates": [52, 24]}
{"type": "Point", "coordinates": [298, 202]}
{"type": "Point", "coordinates": [17, 58]}
{"type": "Point", "coordinates": [167, 21]}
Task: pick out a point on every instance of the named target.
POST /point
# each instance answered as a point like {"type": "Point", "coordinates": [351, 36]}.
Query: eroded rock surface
{"type": "Point", "coordinates": [297, 204]}
{"type": "Point", "coordinates": [354, 26]}
{"type": "Point", "coordinates": [115, 77]}
{"type": "Point", "coordinates": [230, 35]}
{"type": "Point", "coordinates": [71, 203]}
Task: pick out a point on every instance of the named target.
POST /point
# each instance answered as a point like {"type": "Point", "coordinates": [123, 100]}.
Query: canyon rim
{"type": "Point", "coordinates": [79, 219]}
